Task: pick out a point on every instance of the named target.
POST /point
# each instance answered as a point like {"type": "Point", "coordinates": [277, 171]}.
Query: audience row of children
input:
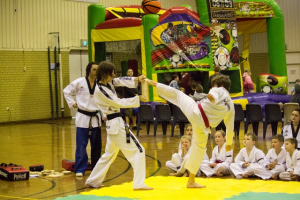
{"type": "Point", "coordinates": [283, 163]}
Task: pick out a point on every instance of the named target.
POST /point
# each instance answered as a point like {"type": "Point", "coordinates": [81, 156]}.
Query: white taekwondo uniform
{"type": "Point", "coordinates": [292, 164]}
{"type": "Point", "coordinates": [177, 160]}
{"type": "Point", "coordinates": [110, 104]}
{"type": "Point", "coordinates": [85, 101]}
{"type": "Point", "coordinates": [221, 108]}
{"type": "Point", "coordinates": [288, 132]}
{"type": "Point", "coordinates": [222, 158]}
{"type": "Point", "coordinates": [256, 160]}
{"type": "Point", "coordinates": [280, 158]}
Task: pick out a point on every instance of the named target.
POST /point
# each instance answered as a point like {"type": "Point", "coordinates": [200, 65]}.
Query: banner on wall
{"type": "Point", "coordinates": [223, 33]}
{"type": "Point", "coordinates": [249, 9]}
{"type": "Point", "coordinates": [270, 83]}
{"type": "Point", "coordinates": [178, 42]}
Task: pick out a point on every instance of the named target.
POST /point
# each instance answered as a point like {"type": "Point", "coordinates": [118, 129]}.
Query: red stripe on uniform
{"type": "Point", "coordinates": [204, 117]}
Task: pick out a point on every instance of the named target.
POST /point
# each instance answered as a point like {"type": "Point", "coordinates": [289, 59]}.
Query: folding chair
{"type": "Point", "coordinates": [180, 118]}
{"type": "Point", "coordinates": [145, 115]}
{"type": "Point", "coordinates": [273, 115]}
{"type": "Point", "coordinates": [238, 118]}
{"type": "Point", "coordinates": [253, 116]}
{"type": "Point", "coordinates": [163, 115]}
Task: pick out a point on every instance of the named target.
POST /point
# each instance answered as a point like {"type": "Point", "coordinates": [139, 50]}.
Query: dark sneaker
{"type": "Point", "coordinates": [135, 128]}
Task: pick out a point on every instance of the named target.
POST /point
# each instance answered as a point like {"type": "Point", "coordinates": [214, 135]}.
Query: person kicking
{"type": "Point", "coordinates": [210, 112]}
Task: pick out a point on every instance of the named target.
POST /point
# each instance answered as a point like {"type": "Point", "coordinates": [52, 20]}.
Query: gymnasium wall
{"type": "Point", "coordinates": [24, 80]}
{"type": "Point", "coordinates": [25, 24]}
{"type": "Point", "coordinates": [290, 10]}
{"type": "Point", "coordinates": [23, 43]}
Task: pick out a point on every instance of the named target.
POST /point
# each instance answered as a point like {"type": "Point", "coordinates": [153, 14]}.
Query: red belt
{"type": "Point", "coordinates": [204, 117]}
{"type": "Point", "coordinates": [219, 161]}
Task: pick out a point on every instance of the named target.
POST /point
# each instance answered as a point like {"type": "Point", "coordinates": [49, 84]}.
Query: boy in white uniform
{"type": "Point", "coordinates": [276, 157]}
{"type": "Point", "coordinates": [250, 160]}
{"type": "Point", "coordinates": [119, 137]}
{"type": "Point", "coordinates": [210, 112]}
{"type": "Point", "coordinates": [220, 161]}
{"type": "Point", "coordinates": [292, 161]}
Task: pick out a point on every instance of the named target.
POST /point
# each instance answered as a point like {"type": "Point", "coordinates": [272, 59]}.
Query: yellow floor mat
{"type": "Point", "coordinates": [167, 187]}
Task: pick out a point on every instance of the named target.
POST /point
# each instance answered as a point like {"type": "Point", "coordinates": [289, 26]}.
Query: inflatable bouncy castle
{"type": "Point", "coordinates": [179, 40]}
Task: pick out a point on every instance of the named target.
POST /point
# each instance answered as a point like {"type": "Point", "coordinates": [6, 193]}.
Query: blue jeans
{"type": "Point", "coordinates": [81, 157]}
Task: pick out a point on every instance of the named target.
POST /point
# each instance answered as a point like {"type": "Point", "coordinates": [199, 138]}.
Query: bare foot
{"type": "Point", "coordinates": [89, 186]}
{"type": "Point", "coordinates": [219, 174]}
{"type": "Point", "coordinates": [145, 188]}
{"type": "Point", "coordinates": [245, 175]}
{"type": "Point", "coordinates": [275, 176]}
{"type": "Point", "coordinates": [177, 174]}
{"type": "Point", "coordinates": [294, 178]}
{"type": "Point", "coordinates": [195, 185]}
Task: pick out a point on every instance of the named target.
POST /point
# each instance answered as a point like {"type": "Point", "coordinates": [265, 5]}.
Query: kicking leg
{"type": "Point", "coordinates": [181, 100]}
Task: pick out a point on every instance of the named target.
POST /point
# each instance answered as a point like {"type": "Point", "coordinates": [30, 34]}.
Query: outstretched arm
{"type": "Point", "coordinates": [153, 83]}
{"type": "Point", "coordinates": [130, 82]}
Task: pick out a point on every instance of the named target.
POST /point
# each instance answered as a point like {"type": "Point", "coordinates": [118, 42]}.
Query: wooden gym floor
{"type": "Point", "coordinates": [48, 142]}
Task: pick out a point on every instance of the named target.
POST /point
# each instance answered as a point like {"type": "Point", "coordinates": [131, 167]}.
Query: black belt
{"type": "Point", "coordinates": [112, 116]}
{"type": "Point", "coordinates": [115, 115]}
{"type": "Point", "coordinates": [87, 112]}
{"type": "Point", "coordinates": [128, 134]}
{"type": "Point", "coordinates": [136, 143]}
{"type": "Point", "coordinates": [91, 114]}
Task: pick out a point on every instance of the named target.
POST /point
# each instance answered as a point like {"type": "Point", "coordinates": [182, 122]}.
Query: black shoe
{"type": "Point", "coordinates": [135, 128]}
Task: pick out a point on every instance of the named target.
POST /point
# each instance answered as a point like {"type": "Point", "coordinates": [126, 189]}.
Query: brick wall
{"type": "Point", "coordinates": [26, 92]}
